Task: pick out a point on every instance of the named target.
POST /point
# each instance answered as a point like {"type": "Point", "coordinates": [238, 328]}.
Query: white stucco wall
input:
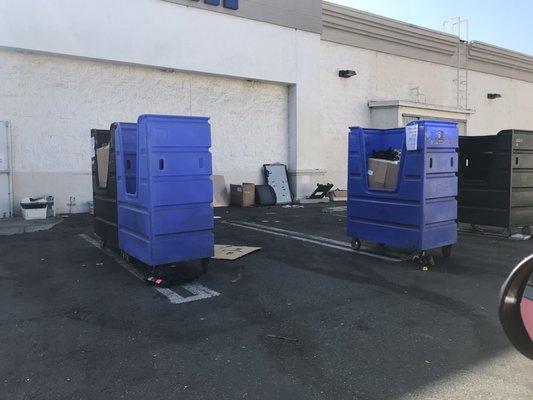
{"type": "Point", "coordinates": [301, 119]}
{"type": "Point", "coordinates": [163, 34]}
{"type": "Point", "coordinates": [513, 110]}
{"type": "Point", "coordinates": [54, 101]}
{"type": "Point", "coordinates": [387, 77]}
{"type": "Point", "coordinates": [151, 32]}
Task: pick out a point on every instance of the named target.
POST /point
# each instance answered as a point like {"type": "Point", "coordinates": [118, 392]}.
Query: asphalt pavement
{"type": "Point", "coordinates": [305, 317]}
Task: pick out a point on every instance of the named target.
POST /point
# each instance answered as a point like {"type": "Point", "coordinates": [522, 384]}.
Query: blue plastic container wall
{"type": "Point", "coordinates": [164, 189]}
{"type": "Point", "coordinates": [421, 212]}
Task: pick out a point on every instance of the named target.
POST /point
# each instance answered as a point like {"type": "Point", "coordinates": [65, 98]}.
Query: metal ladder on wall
{"type": "Point", "coordinates": [460, 27]}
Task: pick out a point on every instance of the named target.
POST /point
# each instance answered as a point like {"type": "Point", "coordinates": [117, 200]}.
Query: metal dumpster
{"type": "Point", "coordinates": [420, 212]}
{"type": "Point", "coordinates": [496, 180]}
{"type": "Point", "coordinates": [163, 189]}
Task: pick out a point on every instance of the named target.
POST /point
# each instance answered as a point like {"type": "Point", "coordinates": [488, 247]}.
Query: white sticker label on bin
{"type": "Point", "coordinates": [411, 137]}
{"type": "Point", "coordinates": [370, 172]}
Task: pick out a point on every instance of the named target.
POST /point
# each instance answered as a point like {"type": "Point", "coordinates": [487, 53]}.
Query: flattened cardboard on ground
{"type": "Point", "coordinates": [232, 253]}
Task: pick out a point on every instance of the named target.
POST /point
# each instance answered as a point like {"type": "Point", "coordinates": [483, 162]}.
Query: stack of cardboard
{"type": "Point", "coordinates": [242, 195]}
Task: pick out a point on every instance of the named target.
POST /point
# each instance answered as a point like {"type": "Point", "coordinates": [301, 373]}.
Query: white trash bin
{"type": "Point", "coordinates": [33, 208]}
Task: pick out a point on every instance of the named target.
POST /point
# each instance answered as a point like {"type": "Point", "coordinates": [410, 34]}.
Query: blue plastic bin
{"type": "Point", "coordinates": [164, 189]}
{"type": "Point", "coordinates": [421, 213]}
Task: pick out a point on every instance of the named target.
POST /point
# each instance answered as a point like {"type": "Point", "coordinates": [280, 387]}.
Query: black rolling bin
{"type": "Point", "coordinates": [496, 180]}
{"type": "Point", "coordinates": [105, 186]}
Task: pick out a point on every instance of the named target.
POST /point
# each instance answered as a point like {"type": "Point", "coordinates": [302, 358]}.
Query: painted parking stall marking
{"type": "Point", "coordinates": [196, 290]}
{"type": "Point", "coordinates": [318, 240]}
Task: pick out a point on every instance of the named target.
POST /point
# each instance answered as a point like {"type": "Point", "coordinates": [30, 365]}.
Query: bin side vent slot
{"type": "Point", "coordinates": [161, 164]}
{"type": "Point", "coordinates": [467, 162]}
{"type": "Point", "coordinates": [130, 159]}
{"type": "Point", "coordinates": [516, 161]}
{"type": "Point", "coordinates": [431, 163]}
{"type": "Point", "coordinates": [451, 161]}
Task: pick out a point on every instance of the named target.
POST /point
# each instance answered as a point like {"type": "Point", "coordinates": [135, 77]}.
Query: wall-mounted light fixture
{"type": "Point", "coordinates": [492, 96]}
{"type": "Point", "coordinates": [347, 73]}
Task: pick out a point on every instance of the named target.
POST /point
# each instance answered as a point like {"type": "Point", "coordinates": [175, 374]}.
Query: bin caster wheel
{"type": "Point", "coordinates": [205, 265]}
{"type": "Point", "coordinates": [424, 260]}
{"type": "Point", "coordinates": [526, 230]}
{"type": "Point", "coordinates": [125, 256]}
{"type": "Point", "coordinates": [356, 244]}
{"type": "Point", "coordinates": [446, 251]}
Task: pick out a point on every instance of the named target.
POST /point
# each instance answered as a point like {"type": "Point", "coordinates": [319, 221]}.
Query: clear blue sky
{"type": "Point", "coordinates": [504, 23]}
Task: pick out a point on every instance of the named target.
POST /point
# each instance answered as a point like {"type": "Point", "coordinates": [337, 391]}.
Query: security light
{"type": "Point", "coordinates": [347, 73]}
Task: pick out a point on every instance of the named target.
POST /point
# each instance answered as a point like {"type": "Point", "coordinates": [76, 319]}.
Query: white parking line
{"type": "Point", "coordinates": [318, 240]}
{"type": "Point", "coordinates": [198, 292]}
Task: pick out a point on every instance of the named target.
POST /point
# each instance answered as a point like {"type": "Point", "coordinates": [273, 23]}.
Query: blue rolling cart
{"type": "Point", "coordinates": [164, 191]}
{"type": "Point", "coordinates": [420, 212]}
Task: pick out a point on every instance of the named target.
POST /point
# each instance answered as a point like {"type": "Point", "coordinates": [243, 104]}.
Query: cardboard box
{"type": "Point", "coordinates": [391, 180]}
{"type": "Point", "coordinates": [242, 195]}
{"type": "Point", "coordinates": [102, 157]}
{"type": "Point", "coordinates": [382, 174]}
{"type": "Point", "coordinates": [338, 195]}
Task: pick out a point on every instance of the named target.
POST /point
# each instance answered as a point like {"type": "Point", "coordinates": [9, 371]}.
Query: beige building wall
{"type": "Point", "coordinates": [274, 97]}
{"type": "Point", "coordinates": [513, 110]}
{"type": "Point", "coordinates": [52, 103]}
{"type": "Point", "coordinates": [382, 76]}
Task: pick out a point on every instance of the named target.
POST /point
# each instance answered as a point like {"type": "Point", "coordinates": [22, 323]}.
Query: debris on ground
{"type": "Point", "coordinates": [293, 206]}
{"type": "Point", "coordinates": [321, 191]}
{"type": "Point", "coordinates": [337, 209]}
{"type": "Point", "coordinates": [217, 217]}
{"type": "Point", "coordinates": [99, 264]}
{"type": "Point", "coordinates": [520, 236]}
{"type": "Point", "coordinates": [237, 279]}
{"type": "Point", "coordinates": [282, 338]}
{"type": "Point", "coordinates": [154, 281]}
{"type": "Point", "coordinates": [231, 253]}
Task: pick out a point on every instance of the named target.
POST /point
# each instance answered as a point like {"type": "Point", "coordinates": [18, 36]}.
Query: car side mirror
{"type": "Point", "coordinates": [516, 307]}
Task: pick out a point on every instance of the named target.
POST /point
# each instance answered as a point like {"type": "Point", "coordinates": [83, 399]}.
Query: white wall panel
{"type": "Point", "coordinates": [53, 102]}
